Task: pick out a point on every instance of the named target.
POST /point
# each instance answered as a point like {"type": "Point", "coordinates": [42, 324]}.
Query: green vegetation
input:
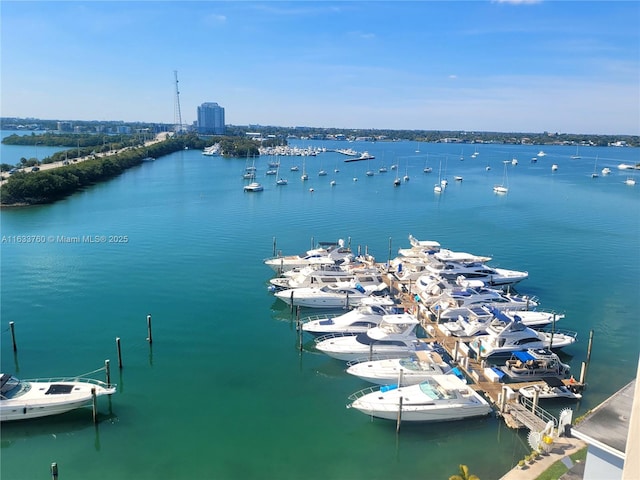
{"type": "Point", "coordinates": [49, 185]}
{"type": "Point", "coordinates": [555, 471]}
{"type": "Point", "coordinates": [464, 474]}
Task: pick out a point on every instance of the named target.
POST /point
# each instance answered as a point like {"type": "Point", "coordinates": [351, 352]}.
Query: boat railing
{"type": "Point", "coordinates": [329, 336]}
{"type": "Point", "coordinates": [561, 331]}
{"type": "Point", "coordinates": [539, 412]}
{"type": "Point", "coordinates": [361, 393]}
{"type": "Point", "coordinates": [312, 318]}
{"type": "Point", "coordinates": [79, 379]}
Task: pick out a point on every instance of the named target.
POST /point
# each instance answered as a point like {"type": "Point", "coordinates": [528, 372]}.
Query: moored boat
{"type": "Point", "coordinates": [437, 399]}
{"type": "Point", "coordinates": [25, 399]}
{"type": "Point", "coordinates": [409, 370]}
{"type": "Point", "coordinates": [534, 364]}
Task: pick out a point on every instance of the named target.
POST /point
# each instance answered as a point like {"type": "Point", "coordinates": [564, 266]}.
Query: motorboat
{"type": "Point", "coordinates": [363, 156]}
{"type": "Point", "coordinates": [456, 301]}
{"type": "Point", "coordinates": [327, 254]}
{"type": "Point", "coordinates": [476, 320]}
{"type": "Point", "coordinates": [552, 388]}
{"type": "Point", "coordinates": [606, 171]}
{"type": "Point", "coordinates": [541, 154]}
{"type": "Point", "coordinates": [402, 371]}
{"type": "Point", "coordinates": [439, 398]}
{"type": "Point", "coordinates": [395, 336]}
{"type": "Point", "coordinates": [254, 187]}
{"type": "Point", "coordinates": [367, 315]}
{"type": "Point", "coordinates": [451, 270]}
{"type": "Point", "coordinates": [212, 150]}
{"type": "Point", "coordinates": [322, 277]}
{"type": "Point", "coordinates": [534, 364]}
{"type": "Point", "coordinates": [508, 334]}
{"type": "Point", "coordinates": [335, 295]}
{"type": "Point", "coordinates": [25, 399]}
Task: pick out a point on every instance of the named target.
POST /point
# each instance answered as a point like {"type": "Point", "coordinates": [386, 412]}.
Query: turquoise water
{"type": "Point", "coordinates": [225, 392]}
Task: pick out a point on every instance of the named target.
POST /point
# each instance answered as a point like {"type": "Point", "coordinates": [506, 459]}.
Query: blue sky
{"type": "Point", "coordinates": [520, 66]}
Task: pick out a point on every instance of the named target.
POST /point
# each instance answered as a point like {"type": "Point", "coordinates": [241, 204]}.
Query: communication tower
{"type": "Point", "coordinates": [177, 114]}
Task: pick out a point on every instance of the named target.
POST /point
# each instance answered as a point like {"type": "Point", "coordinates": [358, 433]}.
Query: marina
{"type": "Point", "coordinates": [215, 319]}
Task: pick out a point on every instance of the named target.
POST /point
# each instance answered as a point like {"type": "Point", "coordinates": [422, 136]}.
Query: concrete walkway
{"type": "Point", "coordinates": [562, 448]}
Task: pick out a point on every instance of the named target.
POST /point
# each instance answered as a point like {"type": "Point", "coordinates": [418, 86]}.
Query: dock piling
{"type": "Point", "coordinates": [107, 369]}
{"type": "Point", "coordinates": [54, 471]}
{"type": "Point", "coordinates": [274, 247]}
{"type": "Point", "coordinates": [13, 336]}
{"type": "Point", "coordinates": [399, 420]}
{"type": "Point", "coordinates": [94, 404]}
{"type": "Point", "coordinates": [149, 338]}
{"type": "Point", "coordinates": [118, 347]}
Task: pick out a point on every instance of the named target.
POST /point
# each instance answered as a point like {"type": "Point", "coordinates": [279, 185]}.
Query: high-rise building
{"type": "Point", "coordinates": [211, 118]}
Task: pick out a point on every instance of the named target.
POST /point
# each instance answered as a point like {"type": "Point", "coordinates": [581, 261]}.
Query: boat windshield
{"type": "Point", "coordinates": [13, 388]}
{"type": "Point", "coordinates": [435, 391]}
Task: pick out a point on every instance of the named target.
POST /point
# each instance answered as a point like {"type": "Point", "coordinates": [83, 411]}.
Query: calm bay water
{"type": "Point", "coordinates": [225, 392]}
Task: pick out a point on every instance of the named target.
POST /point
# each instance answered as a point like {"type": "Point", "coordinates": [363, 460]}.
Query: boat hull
{"type": "Point", "coordinates": [35, 403]}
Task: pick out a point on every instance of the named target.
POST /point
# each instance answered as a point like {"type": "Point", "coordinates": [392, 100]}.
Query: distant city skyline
{"type": "Point", "coordinates": [502, 65]}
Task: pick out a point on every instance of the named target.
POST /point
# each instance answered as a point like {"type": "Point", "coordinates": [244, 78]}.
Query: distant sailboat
{"type": "Point", "coordinates": [595, 168]}
{"type": "Point", "coordinates": [439, 187]}
{"type": "Point", "coordinates": [427, 168]}
{"type": "Point", "coordinates": [577, 156]}
{"type": "Point", "coordinates": [504, 186]}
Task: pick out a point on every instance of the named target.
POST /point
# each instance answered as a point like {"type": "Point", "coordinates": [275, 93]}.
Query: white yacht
{"type": "Point", "coordinates": [326, 276]}
{"type": "Point", "coordinates": [456, 301]}
{"type": "Point", "coordinates": [401, 371]}
{"type": "Point", "coordinates": [25, 399]}
{"type": "Point", "coordinates": [367, 315]}
{"type": "Point", "coordinates": [327, 255]}
{"type": "Point", "coordinates": [439, 398]}
{"type": "Point", "coordinates": [335, 295]}
{"type": "Point", "coordinates": [508, 334]}
{"type": "Point", "coordinates": [395, 336]}
{"type": "Point", "coordinates": [451, 270]}
{"type": "Point", "coordinates": [476, 320]}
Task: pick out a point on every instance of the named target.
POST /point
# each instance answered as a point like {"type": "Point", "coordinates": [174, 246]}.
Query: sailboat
{"type": "Point", "coordinates": [427, 168]}
{"type": "Point", "coordinates": [577, 156]}
{"type": "Point", "coordinates": [304, 175]}
{"type": "Point", "coordinates": [502, 188]}
{"type": "Point", "coordinates": [280, 181]}
{"type": "Point", "coordinates": [406, 172]}
{"type": "Point", "coordinates": [439, 187]}
{"type": "Point", "coordinates": [595, 167]}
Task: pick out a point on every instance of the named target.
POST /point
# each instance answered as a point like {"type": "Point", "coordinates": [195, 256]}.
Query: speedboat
{"type": "Point", "coordinates": [534, 364]}
{"type": "Point", "coordinates": [402, 371]}
{"type": "Point", "coordinates": [253, 187]}
{"type": "Point", "coordinates": [476, 320]}
{"type": "Point", "coordinates": [508, 334]}
{"type": "Point", "coordinates": [25, 399]}
{"type": "Point", "coordinates": [552, 388]}
{"type": "Point", "coordinates": [439, 398]}
{"type": "Point", "coordinates": [335, 295]}
{"type": "Point", "coordinates": [456, 301]}
{"type": "Point", "coordinates": [451, 270]}
{"type": "Point", "coordinates": [327, 254]}
{"type": "Point", "coordinates": [359, 320]}
{"type": "Point", "coordinates": [395, 336]}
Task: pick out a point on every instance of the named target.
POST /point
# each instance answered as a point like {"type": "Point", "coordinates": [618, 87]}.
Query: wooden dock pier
{"type": "Point", "coordinates": [517, 413]}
